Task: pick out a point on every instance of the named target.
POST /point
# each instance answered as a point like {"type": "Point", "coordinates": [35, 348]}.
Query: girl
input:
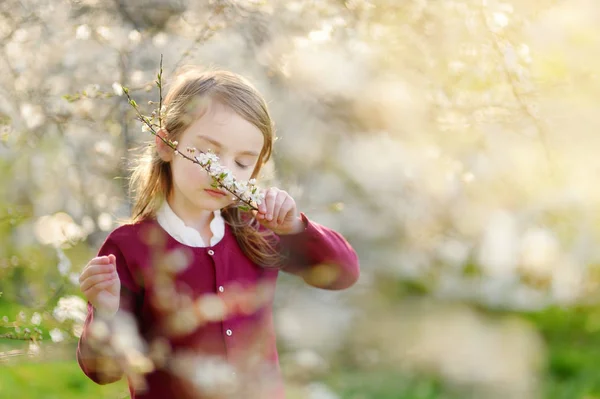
{"type": "Point", "coordinates": [195, 273]}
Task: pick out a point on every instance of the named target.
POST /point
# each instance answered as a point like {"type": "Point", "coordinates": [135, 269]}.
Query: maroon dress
{"type": "Point", "coordinates": [236, 329]}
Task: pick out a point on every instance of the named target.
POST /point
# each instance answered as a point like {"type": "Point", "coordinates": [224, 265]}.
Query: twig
{"type": "Point", "coordinates": [515, 91]}
{"type": "Point", "coordinates": [160, 98]}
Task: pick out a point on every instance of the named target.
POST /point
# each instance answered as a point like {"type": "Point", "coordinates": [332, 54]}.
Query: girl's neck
{"type": "Point", "coordinates": [198, 219]}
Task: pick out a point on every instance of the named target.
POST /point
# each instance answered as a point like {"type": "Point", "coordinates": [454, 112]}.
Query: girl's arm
{"type": "Point", "coordinates": [99, 367]}
{"type": "Point", "coordinates": [321, 256]}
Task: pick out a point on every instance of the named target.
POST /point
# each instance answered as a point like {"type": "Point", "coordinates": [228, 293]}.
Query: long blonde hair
{"type": "Point", "coordinates": [151, 180]}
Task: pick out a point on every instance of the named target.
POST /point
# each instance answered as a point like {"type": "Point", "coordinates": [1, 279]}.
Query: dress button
{"type": "Point", "coordinates": [229, 332]}
{"type": "Point", "coordinates": [221, 289]}
{"type": "Point", "coordinates": [211, 252]}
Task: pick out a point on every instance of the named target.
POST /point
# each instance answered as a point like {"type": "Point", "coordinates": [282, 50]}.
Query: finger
{"type": "Point", "coordinates": [96, 289]}
{"type": "Point", "coordinates": [112, 259]}
{"type": "Point", "coordinates": [262, 208]}
{"type": "Point", "coordinates": [281, 197]}
{"type": "Point", "coordinates": [288, 206]}
{"type": "Point", "coordinates": [95, 279]}
{"type": "Point", "coordinates": [270, 199]}
{"type": "Point", "coordinates": [94, 269]}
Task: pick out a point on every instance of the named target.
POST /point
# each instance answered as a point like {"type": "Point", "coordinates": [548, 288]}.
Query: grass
{"type": "Point", "coordinates": [54, 380]}
{"type": "Point", "coordinates": [572, 370]}
{"type": "Point", "coordinates": [64, 380]}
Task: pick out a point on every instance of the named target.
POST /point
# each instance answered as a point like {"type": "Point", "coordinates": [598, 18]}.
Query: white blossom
{"type": "Point", "coordinates": [247, 191]}
{"type": "Point", "coordinates": [206, 158]}
{"type": "Point", "coordinates": [117, 88]}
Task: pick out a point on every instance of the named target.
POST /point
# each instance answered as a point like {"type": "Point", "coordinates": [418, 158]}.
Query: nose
{"type": "Point", "coordinates": [225, 161]}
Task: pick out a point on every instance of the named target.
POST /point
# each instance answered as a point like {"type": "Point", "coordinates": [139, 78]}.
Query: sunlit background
{"type": "Point", "coordinates": [453, 143]}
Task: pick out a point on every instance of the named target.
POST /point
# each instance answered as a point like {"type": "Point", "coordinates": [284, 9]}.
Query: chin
{"type": "Point", "coordinates": [212, 204]}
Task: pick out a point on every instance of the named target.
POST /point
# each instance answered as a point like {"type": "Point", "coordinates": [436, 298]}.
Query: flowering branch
{"type": "Point", "coordinates": [159, 84]}
{"type": "Point", "coordinates": [245, 192]}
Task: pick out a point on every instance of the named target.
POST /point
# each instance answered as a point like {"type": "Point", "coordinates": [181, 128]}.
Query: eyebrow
{"type": "Point", "coordinates": [217, 144]}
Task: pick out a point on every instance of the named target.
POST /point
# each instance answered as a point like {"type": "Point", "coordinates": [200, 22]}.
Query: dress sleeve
{"type": "Point", "coordinates": [130, 298]}
{"type": "Point", "coordinates": [321, 256]}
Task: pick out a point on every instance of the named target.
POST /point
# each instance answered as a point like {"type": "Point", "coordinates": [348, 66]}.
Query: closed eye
{"type": "Point", "coordinates": [241, 165]}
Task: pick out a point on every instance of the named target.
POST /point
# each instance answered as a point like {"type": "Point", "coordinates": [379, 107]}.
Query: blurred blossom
{"type": "Point", "coordinates": [500, 19]}
{"type": "Point", "coordinates": [160, 39]}
{"type": "Point", "coordinates": [498, 251]}
{"type": "Point", "coordinates": [99, 330]}
{"type": "Point", "coordinates": [57, 229]}
{"type": "Point", "coordinates": [137, 77]}
{"type": "Point", "coordinates": [74, 278]}
{"type": "Point", "coordinates": [36, 319]}
{"type": "Point", "coordinates": [568, 283]}
{"type": "Point", "coordinates": [70, 308]}
{"type": "Point", "coordinates": [21, 316]}
{"type": "Point", "coordinates": [453, 252]}
{"type": "Point", "coordinates": [540, 252]}
{"type": "Point", "coordinates": [105, 221]}
{"type": "Point", "coordinates": [320, 35]}
{"type": "Point", "coordinates": [33, 115]}
{"type": "Point", "coordinates": [306, 323]}
{"type": "Point", "coordinates": [318, 390]}
{"type": "Point", "coordinates": [88, 225]}
{"type": "Point", "coordinates": [209, 375]}
{"type": "Point", "coordinates": [56, 335]}
{"type": "Point", "coordinates": [77, 330]}
{"type": "Point", "coordinates": [104, 147]}
{"type": "Point", "coordinates": [104, 32]}
{"type": "Point", "coordinates": [64, 263]}
{"type": "Point", "coordinates": [135, 37]}
{"type": "Point", "coordinates": [342, 76]}
{"type": "Point", "coordinates": [83, 32]}
{"type": "Point", "coordinates": [309, 361]}
{"type": "Point", "coordinates": [34, 349]}
{"type": "Point", "coordinates": [126, 335]}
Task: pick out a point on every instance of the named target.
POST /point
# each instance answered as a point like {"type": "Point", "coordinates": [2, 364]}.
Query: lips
{"type": "Point", "coordinates": [215, 193]}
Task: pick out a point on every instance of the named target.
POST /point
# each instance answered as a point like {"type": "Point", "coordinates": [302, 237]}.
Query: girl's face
{"type": "Point", "coordinates": [233, 139]}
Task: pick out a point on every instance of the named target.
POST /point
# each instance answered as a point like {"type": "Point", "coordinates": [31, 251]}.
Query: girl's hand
{"type": "Point", "coordinates": [100, 284]}
{"type": "Point", "coordinates": [278, 213]}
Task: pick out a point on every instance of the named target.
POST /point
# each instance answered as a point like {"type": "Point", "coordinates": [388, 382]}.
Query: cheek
{"type": "Point", "coordinates": [185, 171]}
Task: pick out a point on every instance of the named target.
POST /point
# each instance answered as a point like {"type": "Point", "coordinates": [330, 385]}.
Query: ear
{"type": "Point", "coordinates": [164, 151]}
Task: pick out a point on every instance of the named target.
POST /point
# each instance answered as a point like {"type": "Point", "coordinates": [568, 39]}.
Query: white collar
{"type": "Point", "coordinates": [176, 228]}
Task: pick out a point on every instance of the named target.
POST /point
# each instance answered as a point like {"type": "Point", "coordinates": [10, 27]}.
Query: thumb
{"type": "Point", "coordinates": [112, 259]}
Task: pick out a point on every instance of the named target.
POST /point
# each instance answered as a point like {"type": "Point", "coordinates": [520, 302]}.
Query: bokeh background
{"type": "Point", "coordinates": [454, 144]}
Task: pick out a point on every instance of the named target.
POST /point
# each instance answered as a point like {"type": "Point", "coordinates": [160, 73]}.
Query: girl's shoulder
{"type": "Point", "coordinates": [136, 232]}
